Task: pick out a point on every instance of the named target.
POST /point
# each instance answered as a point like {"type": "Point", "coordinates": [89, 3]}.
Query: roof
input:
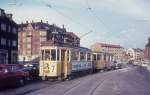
{"type": "Point", "coordinates": [39, 25]}
{"type": "Point", "coordinates": [73, 34]}
{"type": "Point", "coordinates": [63, 45]}
{"type": "Point", "coordinates": [137, 50]}
{"type": "Point", "coordinates": [107, 45]}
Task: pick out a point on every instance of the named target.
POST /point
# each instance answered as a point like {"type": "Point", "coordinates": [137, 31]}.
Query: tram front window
{"type": "Point", "coordinates": [53, 55]}
{"type": "Point", "coordinates": [42, 54]}
{"type": "Point", "coordinates": [47, 54]}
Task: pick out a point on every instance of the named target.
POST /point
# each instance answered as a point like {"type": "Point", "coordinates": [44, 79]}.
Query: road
{"type": "Point", "coordinates": [127, 81]}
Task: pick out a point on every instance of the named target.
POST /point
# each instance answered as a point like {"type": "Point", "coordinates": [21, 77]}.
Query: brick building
{"type": "Point", "coordinates": [147, 50]}
{"type": "Point", "coordinates": [36, 34]}
{"type": "Point", "coordinates": [116, 50]}
{"type": "Point", "coordinates": [8, 39]}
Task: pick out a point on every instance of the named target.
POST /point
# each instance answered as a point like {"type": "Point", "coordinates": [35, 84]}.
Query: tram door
{"type": "Point", "coordinates": [65, 62]}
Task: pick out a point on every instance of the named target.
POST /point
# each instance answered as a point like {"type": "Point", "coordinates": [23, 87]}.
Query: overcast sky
{"type": "Point", "coordinates": [124, 22]}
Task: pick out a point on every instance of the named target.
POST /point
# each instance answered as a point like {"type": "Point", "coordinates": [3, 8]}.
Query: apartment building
{"type": "Point", "coordinates": [147, 50]}
{"type": "Point", "coordinates": [8, 39]}
{"type": "Point", "coordinates": [36, 34]}
{"type": "Point", "coordinates": [116, 50]}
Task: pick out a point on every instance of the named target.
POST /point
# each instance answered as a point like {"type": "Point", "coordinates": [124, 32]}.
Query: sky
{"type": "Point", "coordinates": [123, 22]}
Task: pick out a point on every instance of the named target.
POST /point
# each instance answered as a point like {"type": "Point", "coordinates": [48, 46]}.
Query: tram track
{"type": "Point", "coordinates": [66, 92]}
{"type": "Point", "coordinates": [96, 87]}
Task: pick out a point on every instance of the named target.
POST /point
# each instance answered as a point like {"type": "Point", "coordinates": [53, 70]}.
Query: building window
{"type": "Point", "coordinates": [43, 33]}
{"type": "Point", "coordinates": [3, 26]}
{"type": "Point", "coordinates": [3, 41]}
{"type": "Point", "coordinates": [29, 40]}
{"type": "Point", "coordinates": [14, 30]}
{"type": "Point", "coordinates": [28, 46]}
{"type": "Point", "coordinates": [42, 39]}
{"type": "Point", "coordinates": [14, 57]}
{"type": "Point", "coordinates": [3, 57]}
{"type": "Point", "coordinates": [9, 28]}
{"type": "Point", "coordinates": [29, 52]}
{"type": "Point", "coordinates": [14, 43]}
{"type": "Point", "coordinates": [9, 43]}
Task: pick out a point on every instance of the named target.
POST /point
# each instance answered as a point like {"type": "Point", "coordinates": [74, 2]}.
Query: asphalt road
{"type": "Point", "coordinates": [127, 81]}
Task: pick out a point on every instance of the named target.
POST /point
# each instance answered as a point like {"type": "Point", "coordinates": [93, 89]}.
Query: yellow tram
{"type": "Point", "coordinates": [64, 61]}
{"type": "Point", "coordinates": [101, 60]}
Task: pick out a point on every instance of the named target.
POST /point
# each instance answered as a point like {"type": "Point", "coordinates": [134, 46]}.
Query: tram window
{"type": "Point", "coordinates": [42, 55]}
{"type": "Point", "coordinates": [74, 55]}
{"type": "Point", "coordinates": [58, 55]}
{"type": "Point", "coordinates": [94, 57]}
{"type": "Point", "coordinates": [82, 56]}
{"type": "Point", "coordinates": [98, 57]}
{"type": "Point", "coordinates": [47, 54]}
{"type": "Point", "coordinates": [53, 55]}
{"type": "Point", "coordinates": [104, 57]}
{"type": "Point", "coordinates": [62, 55]}
{"type": "Point", "coordinates": [68, 55]}
{"type": "Point", "coordinates": [88, 56]}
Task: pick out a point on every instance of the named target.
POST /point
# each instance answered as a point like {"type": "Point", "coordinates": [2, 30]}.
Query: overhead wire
{"type": "Point", "coordinates": [90, 9]}
{"type": "Point", "coordinates": [68, 17]}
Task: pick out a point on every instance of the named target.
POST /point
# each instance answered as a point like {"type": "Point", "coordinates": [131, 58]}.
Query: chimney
{"type": "Point", "coordinates": [41, 21]}
{"type": "Point", "coordinates": [47, 22]}
{"type": "Point", "coordinates": [149, 40]}
{"type": "Point", "coordinates": [32, 21]}
{"type": "Point", "coordinates": [21, 22]}
{"type": "Point", "coordinates": [26, 22]}
{"type": "Point", "coordinates": [63, 26]}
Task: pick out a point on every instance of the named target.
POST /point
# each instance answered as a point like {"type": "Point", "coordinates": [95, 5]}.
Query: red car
{"type": "Point", "coordinates": [12, 75]}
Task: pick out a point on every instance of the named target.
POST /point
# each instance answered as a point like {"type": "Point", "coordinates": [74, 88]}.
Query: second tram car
{"type": "Point", "coordinates": [64, 61]}
{"type": "Point", "coordinates": [101, 61]}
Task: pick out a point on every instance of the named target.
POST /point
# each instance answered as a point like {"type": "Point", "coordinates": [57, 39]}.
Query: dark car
{"type": "Point", "coordinates": [12, 75]}
{"type": "Point", "coordinates": [32, 69]}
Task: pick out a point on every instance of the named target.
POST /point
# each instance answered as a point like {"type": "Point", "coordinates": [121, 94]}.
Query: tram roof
{"type": "Point", "coordinates": [102, 52]}
{"type": "Point", "coordinates": [67, 46]}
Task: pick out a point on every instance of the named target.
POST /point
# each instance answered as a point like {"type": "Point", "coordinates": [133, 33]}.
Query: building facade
{"type": "Point", "coordinates": [8, 39]}
{"type": "Point", "coordinates": [135, 54]}
{"type": "Point", "coordinates": [116, 50]}
{"type": "Point", "coordinates": [36, 34]}
{"type": "Point", "coordinates": [147, 50]}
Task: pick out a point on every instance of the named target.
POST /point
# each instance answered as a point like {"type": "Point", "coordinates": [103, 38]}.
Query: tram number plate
{"type": "Point", "coordinates": [52, 68]}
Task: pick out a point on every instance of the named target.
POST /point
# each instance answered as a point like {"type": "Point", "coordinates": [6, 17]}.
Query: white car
{"type": "Point", "coordinates": [144, 65]}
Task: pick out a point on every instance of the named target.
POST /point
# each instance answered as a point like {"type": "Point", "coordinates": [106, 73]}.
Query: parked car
{"type": "Point", "coordinates": [144, 65]}
{"type": "Point", "coordinates": [12, 75]}
{"type": "Point", "coordinates": [32, 69]}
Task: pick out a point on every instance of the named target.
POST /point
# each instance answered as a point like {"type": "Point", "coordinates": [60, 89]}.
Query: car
{"type": "Point", "coordinates": [32, 69]}
{"type": "Point", "coordinates": [12, 75]}
{"type": "Point", "coordinates": [144, 65]}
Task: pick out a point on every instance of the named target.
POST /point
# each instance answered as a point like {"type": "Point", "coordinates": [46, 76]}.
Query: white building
{"type": "Point", "coordinates": [116, 50]}
{"type": "Point", "coordinates": [135, 54]}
